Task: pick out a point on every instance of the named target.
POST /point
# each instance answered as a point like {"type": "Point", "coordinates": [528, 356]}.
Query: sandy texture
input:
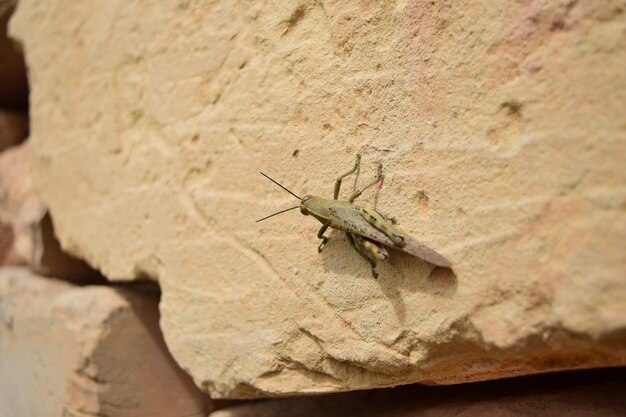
{"type": "Point", "coordinates": [86, 351]}
{"type": "Point", "coordinates": [30, 237]}
{"type": "Point", "coordinates": [500, 127]}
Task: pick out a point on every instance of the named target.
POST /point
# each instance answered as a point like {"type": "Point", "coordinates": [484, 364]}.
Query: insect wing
{"type": "Point", "coordinates": [417, 248]}
{"type": "Point", "coordinates": [352, 221]}
{"type": "Point", "coordinates": [349, 219]}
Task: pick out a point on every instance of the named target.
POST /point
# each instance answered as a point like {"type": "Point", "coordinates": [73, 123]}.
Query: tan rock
{"type": "Point", "coordinates": [78, 351]}
{"type": "Point", "coordinates": [582, 394]}
{"type": "Point", "coordinates": [32, 240]}
{"type": "Point", "coordinates": [19, 204]}
{"type": "Point", "coordinates": [8, 255]}
{"type": "Point", "coordinates": [501, 131]}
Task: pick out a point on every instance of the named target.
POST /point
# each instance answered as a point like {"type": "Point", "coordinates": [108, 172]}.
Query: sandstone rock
{"type": "Point", "coordinates": [32, 240]}
{"type": "Point", "coordinates": [567, 395]}
{"type": "Point", "coordinates": [501, 131]}
{"type": "Point", "coordinates": [19, 204]}
{"type": "Point", "coordinates": [8, 255]}
{"type": "Point", "coordinates": [86, 351]}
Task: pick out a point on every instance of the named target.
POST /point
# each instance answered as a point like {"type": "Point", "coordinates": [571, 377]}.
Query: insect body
{"type": "Point", "coordinates": [366, 228]}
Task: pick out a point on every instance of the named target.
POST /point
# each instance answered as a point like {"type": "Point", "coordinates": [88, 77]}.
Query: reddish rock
{"type": "Point", "coordinates": [576, 394]}
{"type": "Point", "coordinates": [32, 232]}
{"type": "Point", "coordinates": [92, 350]}
{"type": "Point", "coordinates": [8, 256]}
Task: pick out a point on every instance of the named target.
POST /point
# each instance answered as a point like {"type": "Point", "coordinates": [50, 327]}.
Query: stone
{"type": "Point", "coordinates": [582, 394]}
{"type": "Point", "coordinates": [86, 351]}
{"type": "Point", "coordinates": [8, 255]}
{"type": "Point", "coordinates": [500, 128]}
{"type": "Point", "coordinates": [20, 208]}
{"type": "Point", "coordinates": [32, 240]}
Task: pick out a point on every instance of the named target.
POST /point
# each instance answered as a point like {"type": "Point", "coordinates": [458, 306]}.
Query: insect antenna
{"type": "Point", "coordinates": [281, 186]}
{"type": "Point", "coordinates": [277, 213]}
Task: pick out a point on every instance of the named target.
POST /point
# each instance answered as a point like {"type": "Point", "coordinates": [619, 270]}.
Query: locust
{"type": "Point", "coordinates": [369, 232]}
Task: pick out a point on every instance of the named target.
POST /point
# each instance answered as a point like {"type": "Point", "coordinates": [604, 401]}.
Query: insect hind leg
{"type": "Point", "coordinates": [368, 250]}
{"type": "Point", "coordinates": [357, 165]}
{"type": "Point", "coordinates": [383, 224]}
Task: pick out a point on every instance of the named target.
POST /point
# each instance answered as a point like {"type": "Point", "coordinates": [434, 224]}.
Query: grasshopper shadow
{"type": "Point", "coordinates": [399, 277]}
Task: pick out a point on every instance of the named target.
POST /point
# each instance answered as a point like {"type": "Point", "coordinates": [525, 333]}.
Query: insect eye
{"type": "Point", "coordinates": [304, 211]}
{"type": "Point", "coordinates": [306, 198]}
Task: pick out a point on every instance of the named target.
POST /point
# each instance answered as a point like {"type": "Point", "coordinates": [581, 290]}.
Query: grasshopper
{"type": "Point", "coordinates": [368, 230]}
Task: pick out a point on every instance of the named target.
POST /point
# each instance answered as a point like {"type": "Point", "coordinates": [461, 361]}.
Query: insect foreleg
{"type": "Point", "coordinates": [352, 171]}
{"type": "Point", "coordinates": [368, 250]}
{"type": "Point", "coordinates": [379, 178]}
{"type": "Point", "coordinates": [320, 235]}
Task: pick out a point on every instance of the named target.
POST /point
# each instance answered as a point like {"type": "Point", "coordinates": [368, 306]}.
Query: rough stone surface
{"type": "Point", "coordinates": [500, 127]}
{"type": "Point", "coordinates": [19, 204]}
{"type": "Point", "coordinates": [599, 393]}
{"type": "Point", "coordinates": [86, 351]}
{"type": "Point", "coordinates": [8, 255]}
{"type": "Point", "coordinates": [31, 237]}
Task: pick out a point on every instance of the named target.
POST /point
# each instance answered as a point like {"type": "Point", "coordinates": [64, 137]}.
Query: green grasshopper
{"type": "Point", "coordinates": [366, 228]}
